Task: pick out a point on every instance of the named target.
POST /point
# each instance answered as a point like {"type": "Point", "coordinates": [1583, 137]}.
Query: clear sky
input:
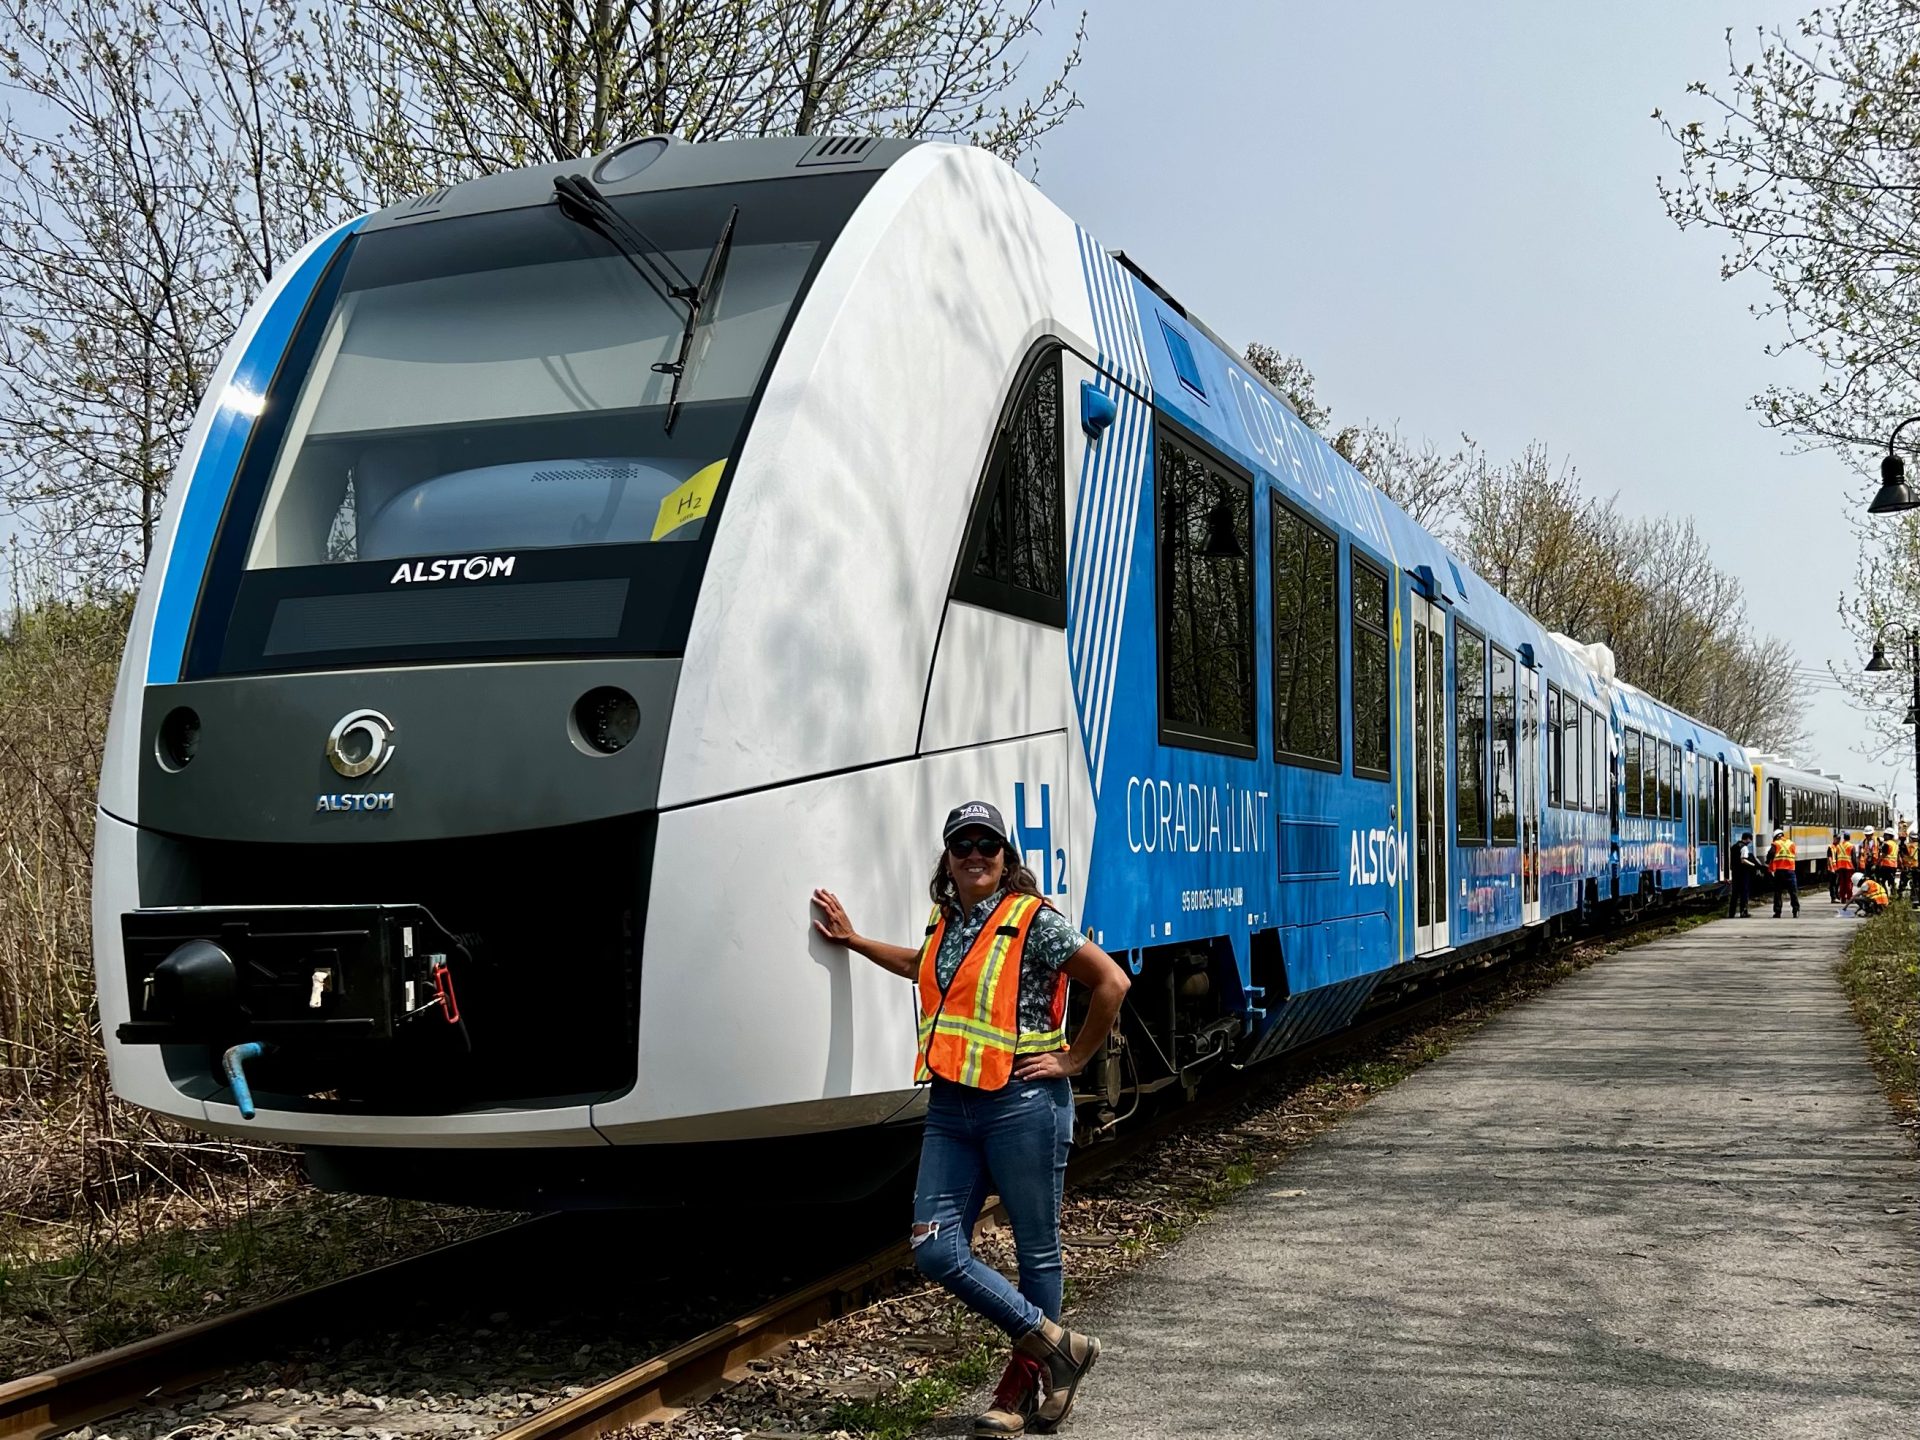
{"type": "Point", "coordinates": [1449, 212]}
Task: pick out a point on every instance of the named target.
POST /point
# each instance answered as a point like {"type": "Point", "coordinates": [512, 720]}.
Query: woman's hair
{"type": "Point", "coordinates": [1017, 878]}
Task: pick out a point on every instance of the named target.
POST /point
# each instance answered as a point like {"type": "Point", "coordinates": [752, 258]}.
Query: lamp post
{"type": "Point", "coordinates": [1879, 665]}
{"type": "Point", "coordinates": [1894, 494]}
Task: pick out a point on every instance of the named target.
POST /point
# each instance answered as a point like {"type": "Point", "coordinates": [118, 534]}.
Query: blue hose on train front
{"type": "Point", "coordinates": [234, 1061]}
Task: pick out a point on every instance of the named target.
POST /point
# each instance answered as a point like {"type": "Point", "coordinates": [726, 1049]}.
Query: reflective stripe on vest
{"type": "Point", "coordinates": [1841, 856]}
{"type": "Point", "coordinates": [969, 1033]}
{"type": "Point", "coordinates": [1909, 852]}
{"type": "Point", "coordinates": [1783, 854]}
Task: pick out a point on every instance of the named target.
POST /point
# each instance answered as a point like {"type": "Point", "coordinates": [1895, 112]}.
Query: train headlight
{"type": "Point", "coordinates": [179, 738]}
{"type": "Point", "coordinates": [605, 720]}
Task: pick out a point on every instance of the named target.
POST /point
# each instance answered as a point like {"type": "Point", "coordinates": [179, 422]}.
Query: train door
{"type": "Point", "coordinates": [1724, 813]}
{"type": "Point", "coordinates": [1690, 812]}
{"type": "Point", "coordinates": [1529, 796]}
{"type": "Point", "coordinates": [1431, 832]}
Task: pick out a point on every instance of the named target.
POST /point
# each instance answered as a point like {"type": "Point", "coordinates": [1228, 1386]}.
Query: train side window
{"type": "Point", "coordinates": [1670, 782]}
{"type": "Point", "coordinates": [1630, 742]}
{"type": "Point", "coordinates": [1589, 756]}
{"type": "Point", "coordinates": [1500, 728]}
{"type": "Point", "coordinates": [1553, 745]}
{"type": "Point", "coordinates": [1470, 736]}
{"type": "Point", "coordinates": [1205, 535]}
{"type": "Point", "coordinates": [1016, 543]}
{"type": "Point", "coordinates": [1306, 641]}
{"type": "Point", "coordinates": [1372, 676]}
{"type": "Point", "coordinates": [1597, 765]}
{"type": "Point", "coordinates": [1574, 746]}
{"type": "Point", "coordinates": [1582, 757]}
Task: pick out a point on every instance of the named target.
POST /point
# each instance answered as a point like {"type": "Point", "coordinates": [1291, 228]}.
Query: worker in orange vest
{"type": "Point", "coordinates": [992, 975]}
{"type": "Point", "coordinates": [1870, 898]}
{"type": "Point", "coordinates": [1786, 877]}
{"type": "Point", "coordinates": [1840, 861]}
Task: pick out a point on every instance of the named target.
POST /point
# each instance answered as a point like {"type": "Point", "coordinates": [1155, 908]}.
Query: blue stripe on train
{"type": "Point", "coordinates": [219, 462]}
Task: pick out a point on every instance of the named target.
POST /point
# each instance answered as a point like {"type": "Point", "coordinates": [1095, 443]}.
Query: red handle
{"type": "Point", "coordinates": [443, 988]}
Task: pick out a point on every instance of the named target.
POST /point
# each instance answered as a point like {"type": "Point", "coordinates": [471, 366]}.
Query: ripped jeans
{"type": "Point", "coordinates": [1012, 1142]}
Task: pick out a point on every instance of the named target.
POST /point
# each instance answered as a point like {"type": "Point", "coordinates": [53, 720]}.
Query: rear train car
{"type": "Point", "coordinates": [1814, 809]}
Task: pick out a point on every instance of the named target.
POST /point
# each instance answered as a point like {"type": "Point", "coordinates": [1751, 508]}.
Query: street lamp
{"type": "Point", "coordinates": [1895, 494]}
{"type": "Point", "coordinates": [1879, 665]}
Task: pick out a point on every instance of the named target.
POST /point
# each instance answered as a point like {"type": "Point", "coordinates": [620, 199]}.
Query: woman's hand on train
{"type": "Point", "coordinates": [835, 926]}
{"type": "Point", "coordinates": [1055, 1065]}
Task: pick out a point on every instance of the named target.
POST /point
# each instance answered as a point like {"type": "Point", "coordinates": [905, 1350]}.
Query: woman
{"type": "Point", "coordinates": [992, 975]}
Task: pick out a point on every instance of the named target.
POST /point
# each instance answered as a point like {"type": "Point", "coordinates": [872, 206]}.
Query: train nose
{"type": "Point", "coordinates": [196, 984]}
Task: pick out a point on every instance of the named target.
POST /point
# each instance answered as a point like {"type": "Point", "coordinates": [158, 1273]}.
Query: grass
{"type": "Point", "coordinates": [1881, 975]}
{"type": "Point", "coordinates": [59, 1302]}
{"type": "Point", "coordinates": [900, 1414]}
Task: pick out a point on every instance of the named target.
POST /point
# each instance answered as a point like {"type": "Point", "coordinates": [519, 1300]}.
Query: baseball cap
{"type": "Point", "coordinates": [976, 812]}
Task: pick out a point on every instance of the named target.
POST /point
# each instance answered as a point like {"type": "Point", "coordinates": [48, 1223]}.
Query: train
{"type": "Point", "coordinates": [1813, 808]}
{"type": "Point", "coordinates": [570, 569]}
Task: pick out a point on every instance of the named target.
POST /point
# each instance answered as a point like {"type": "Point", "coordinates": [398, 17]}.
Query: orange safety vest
{"type": "Point", "coordinates": [1783, 854]}
{"type": "Point", "coordinates": [1873, 890]}
{"type": "Point", "coordinates": [1909, 853]}
{"type": "Point", "coordinates": [970, 1032]}
{"type": "Point", "coordinates": [1840, 857]}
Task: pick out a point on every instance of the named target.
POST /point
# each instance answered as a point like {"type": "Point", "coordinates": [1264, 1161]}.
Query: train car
{"type": "Point", "coordinates": [1814, 808]}
{"type": "Point", "coordinates": [569, 570]}
{"type": "Point", "coordinates": [1683, 789]}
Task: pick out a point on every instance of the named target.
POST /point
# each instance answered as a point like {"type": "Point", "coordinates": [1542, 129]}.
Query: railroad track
{"type": "Point", "coordinates": [37, 1407]}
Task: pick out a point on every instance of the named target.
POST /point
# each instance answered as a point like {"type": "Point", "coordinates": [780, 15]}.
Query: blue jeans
{"type": "Point", "coordinates": [1013, 1142]}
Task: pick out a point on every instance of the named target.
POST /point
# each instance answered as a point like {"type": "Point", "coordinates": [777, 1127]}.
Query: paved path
{"type": "Point", "coordinates": [1664, 1199]}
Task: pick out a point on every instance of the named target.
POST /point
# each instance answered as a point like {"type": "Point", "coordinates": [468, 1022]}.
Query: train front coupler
{"type": "Point", "coordinates": [319, 991]}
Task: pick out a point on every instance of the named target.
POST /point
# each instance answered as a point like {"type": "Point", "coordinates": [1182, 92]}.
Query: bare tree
{"type": "Point", "coordinates": [143, 200]}
{"type": "Point", "coordinates": [1647, 588]}
{"type": "Point", "coordinates": [1804, 164]}
{"type": "Point", "coordinates": [409, 95]}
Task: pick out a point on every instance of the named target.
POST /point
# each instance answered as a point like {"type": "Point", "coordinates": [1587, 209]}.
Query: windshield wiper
{"type": "Point", "coordinates": [702, 296]}
{"type": "Point", "coordinates": [580, 201]}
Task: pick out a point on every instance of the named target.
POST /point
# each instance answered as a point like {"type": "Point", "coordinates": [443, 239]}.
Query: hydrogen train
{"type": "Point", "coordinates": [569, 570]}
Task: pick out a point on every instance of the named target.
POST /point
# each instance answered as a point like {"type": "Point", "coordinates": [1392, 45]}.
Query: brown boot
{"type": "Point", "coordinates": [1065, 1356]}
{"type": "Point", "coordinates": [1014, 1399]}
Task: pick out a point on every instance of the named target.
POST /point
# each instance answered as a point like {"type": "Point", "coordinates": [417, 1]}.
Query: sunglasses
{"type": "Point", "coordinates": [988, 846]}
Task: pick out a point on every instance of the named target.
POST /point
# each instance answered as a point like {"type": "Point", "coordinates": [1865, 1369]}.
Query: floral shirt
{"type": "Point", "coordinates": [1051, 942]}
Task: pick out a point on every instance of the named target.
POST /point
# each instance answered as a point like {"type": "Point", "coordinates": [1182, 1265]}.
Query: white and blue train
{"type": "Point", "coordinates": [570, 570]}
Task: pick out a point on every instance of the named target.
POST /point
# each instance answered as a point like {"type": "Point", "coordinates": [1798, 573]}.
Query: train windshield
{"type": "Point", "coordinates": [487, 398]}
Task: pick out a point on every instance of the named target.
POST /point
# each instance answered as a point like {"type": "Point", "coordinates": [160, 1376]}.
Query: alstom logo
{"type": "Point", "coordinates": [457, 567]}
